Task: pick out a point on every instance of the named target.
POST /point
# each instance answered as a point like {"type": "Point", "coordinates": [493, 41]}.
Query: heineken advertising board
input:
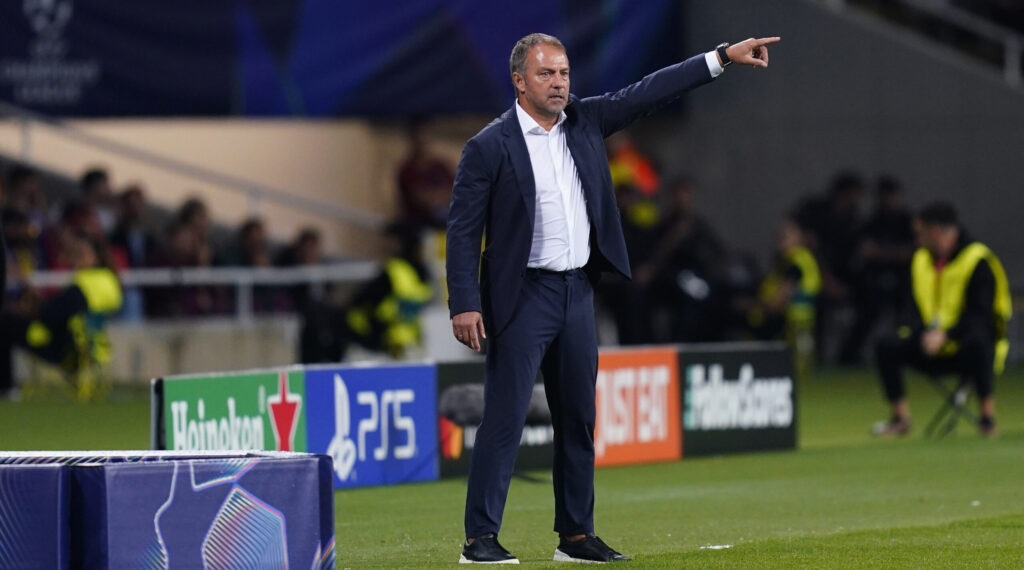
{"type": "Point", "coordinates": [256, 410]}
{"type": "Point", "coordinates": [739, 397]}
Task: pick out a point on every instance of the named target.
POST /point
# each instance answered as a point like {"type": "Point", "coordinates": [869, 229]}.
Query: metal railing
{"type": "Point", "coordinates": [1011, 41]}
{"type": "Point", "coordinates": [256, 192]}
{"type": "Point", "coordinates": [242, 279]}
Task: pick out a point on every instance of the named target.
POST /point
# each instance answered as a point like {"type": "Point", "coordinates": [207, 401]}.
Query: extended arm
{"type": "Point", "coordinates": [614, 111]}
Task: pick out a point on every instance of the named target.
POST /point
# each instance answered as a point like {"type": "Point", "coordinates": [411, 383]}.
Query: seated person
{"type": "Point", "coordinates": [66, 327]}
{"type": "Point", "coordinates": [785, 300]}
{"type": "Point", "coordinates": [383, 315]}
{"type": "Point", "coordinates": [961, 307]}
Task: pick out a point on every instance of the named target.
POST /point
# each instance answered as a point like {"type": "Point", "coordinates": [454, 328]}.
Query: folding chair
{"type": "Point", "coordinates": [954, 406]}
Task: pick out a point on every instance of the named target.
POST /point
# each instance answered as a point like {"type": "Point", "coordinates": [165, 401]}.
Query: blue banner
{"type": "Point", "coordinates": [34, 516]}
{"type": "Point", "coordinates": [166, 510]}
{"type": "Point", "coordinates": [379, 425]}
{"type": "Point", "coordinates": [317, 58]}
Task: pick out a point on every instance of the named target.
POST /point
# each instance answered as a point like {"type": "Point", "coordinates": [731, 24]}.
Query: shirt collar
{"type": "Point", "coordinates": [531, 126]}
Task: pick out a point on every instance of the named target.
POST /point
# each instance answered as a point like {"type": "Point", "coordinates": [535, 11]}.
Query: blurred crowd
{"type": "Point", "coordinates": [839, 267]}
{"type": "Point", "coordinates": [37, 232]}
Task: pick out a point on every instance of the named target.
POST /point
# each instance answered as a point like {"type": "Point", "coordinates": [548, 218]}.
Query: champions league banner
{"type": "Point", "coordinates": [316, 58]}
{"type": "Point", "coordinates": [166, 510]}
{"type": "Point", "coordinates": [34, 518]}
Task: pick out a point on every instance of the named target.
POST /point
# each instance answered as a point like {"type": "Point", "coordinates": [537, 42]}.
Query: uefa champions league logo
{"type": "Point", "coordinates": [47, 17]}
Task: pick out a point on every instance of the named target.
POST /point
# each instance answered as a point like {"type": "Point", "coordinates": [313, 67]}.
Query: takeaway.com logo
{"type": "Point", "coordinates": [637, 407]}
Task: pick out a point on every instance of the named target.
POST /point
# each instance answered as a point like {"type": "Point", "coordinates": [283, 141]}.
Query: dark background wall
{"type": "Point", "coordinates": [842, 92]}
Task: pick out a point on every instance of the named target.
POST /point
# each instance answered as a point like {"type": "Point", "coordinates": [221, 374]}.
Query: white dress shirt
{"type": "Point", "coordinates": [561, 228]}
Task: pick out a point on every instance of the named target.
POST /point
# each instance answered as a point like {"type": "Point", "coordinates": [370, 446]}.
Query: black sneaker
{"type": "Point", "coordinates": [590, 549]}
{"type": "Point", "coordinates": [486, 550]}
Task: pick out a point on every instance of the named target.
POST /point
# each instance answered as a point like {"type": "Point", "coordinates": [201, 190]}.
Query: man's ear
{"type": "Point", "coordinates": [520, 82]}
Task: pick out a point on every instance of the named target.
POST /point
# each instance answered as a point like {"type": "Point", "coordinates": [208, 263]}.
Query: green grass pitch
{"type": "Point", "coordinates": [843, 500]}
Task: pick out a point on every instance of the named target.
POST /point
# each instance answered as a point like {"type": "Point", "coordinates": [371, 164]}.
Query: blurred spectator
{"type": "Point", "coordinates": [424, 181]}
{"type": "Point", "coordinates": [880, 278]}
{"type": "Point", "coordinates": [785, 305]}
{"type": "Point", "coordinates": [383, 315]}
{"type": "Point", "coordinates": [130, 235]}
{"type": "Point", "coordinates": [77, 218]}
{"type": "Point", "coordinates": [25, 194]}
{"type": "Point", "coordinates": [630, 167]}
{"type": "Point", "coordinates": [135, 242]}
{"type": "Point", "coordinates": [252, 250]}
{"type": "Point", "coordinates": [677, 277]}
{"type": "Point", "coordinates": [98, 195]}
{"type": "Point", "coordinates": [307, 249]}
{"type": "Point", "coordinates": [23, 252]}
{"type": "Point", "coordinates": [196, 217]}
{"type": "Point", "coordinates": [69, 322]}
{"type": "Point", "coordinates": [183, 249]}
{"type": "Point", "coordinates": [832, 226]}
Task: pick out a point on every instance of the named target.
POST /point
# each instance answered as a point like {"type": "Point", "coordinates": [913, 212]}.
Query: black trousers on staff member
{"type": "Point", "coordinates": [973, 361]}
{"type": "Point", "coordinates": [553, 331]}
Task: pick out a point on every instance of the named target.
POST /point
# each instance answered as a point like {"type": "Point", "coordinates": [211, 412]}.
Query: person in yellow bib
{"type": "Point", "coordinates": [786, 298]}
{"type": "Point", "coordinates": [383, 315]}
{"type": "Point", "coordinates": [961, 301]}
{"type": "Point", "coordinates": [67, 327]}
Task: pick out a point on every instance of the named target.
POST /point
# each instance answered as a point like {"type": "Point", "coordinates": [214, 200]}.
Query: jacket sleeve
{"type": "Point", "coordinates": [466, 218]}
{"type": "Point", "coordinates": [976, 319]}
{"type": "Point", "coordinates": [615, 111]}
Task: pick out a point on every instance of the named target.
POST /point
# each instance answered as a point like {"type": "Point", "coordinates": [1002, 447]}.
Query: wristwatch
{"type": "Point", "coordinates": [720, 48]}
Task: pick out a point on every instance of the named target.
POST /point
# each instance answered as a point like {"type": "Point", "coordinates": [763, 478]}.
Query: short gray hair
{"type": "Point", "coordinates": [517, 61]}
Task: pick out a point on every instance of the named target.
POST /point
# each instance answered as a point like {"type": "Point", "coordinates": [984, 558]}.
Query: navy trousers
{"type": "Point", "coordinates": [553, 331]}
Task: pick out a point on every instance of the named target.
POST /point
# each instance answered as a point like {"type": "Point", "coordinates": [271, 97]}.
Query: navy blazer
{"type": "Point", "coordinates": [494, 191]}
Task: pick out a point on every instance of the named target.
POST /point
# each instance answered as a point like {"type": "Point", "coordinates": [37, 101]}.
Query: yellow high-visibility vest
{"type": "Point", "coordinates": [800, 309]}
{"type": "Point", "coordinates": [939, 295]}
{"type": "Point", "coordinates": [399, 311]}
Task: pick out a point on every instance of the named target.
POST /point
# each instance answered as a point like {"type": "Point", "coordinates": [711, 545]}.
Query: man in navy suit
{"type": "Point", "coordinates": [536, 183]}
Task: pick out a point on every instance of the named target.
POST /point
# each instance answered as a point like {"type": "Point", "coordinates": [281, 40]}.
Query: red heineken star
{"type": "Point", "coordinates": [284, 413]}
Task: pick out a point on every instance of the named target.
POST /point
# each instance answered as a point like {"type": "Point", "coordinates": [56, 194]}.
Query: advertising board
{"type": "Point", "coordinates": [378, 424]}
{"type": "Point", "coordinates": [637, 407]}
{"type": "Point", "coordinates": [257, 410]}
{"type": "Point", "coordinates": [460, 397]}
{"type": "Point", "coordinates": [738, 399]}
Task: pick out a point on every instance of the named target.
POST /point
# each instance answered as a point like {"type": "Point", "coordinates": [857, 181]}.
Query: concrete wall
{"type": "Point", "coordinates": [843, 92]}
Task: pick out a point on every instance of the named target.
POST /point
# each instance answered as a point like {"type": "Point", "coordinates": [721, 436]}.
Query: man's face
{"type": "Point", "coordinates": [938, 239]}
{"type": "Point", "coordinates": [544, 87]}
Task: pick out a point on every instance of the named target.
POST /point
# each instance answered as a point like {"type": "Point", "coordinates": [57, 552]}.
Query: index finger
{"type": "Point", "coordinates": [765, 41]}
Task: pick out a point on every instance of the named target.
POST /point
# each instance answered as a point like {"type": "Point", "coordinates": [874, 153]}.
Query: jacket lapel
{"type": "Point", "coordinates": [581, 156]}
{"type": "Point", "coordinates": [515, 145]}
